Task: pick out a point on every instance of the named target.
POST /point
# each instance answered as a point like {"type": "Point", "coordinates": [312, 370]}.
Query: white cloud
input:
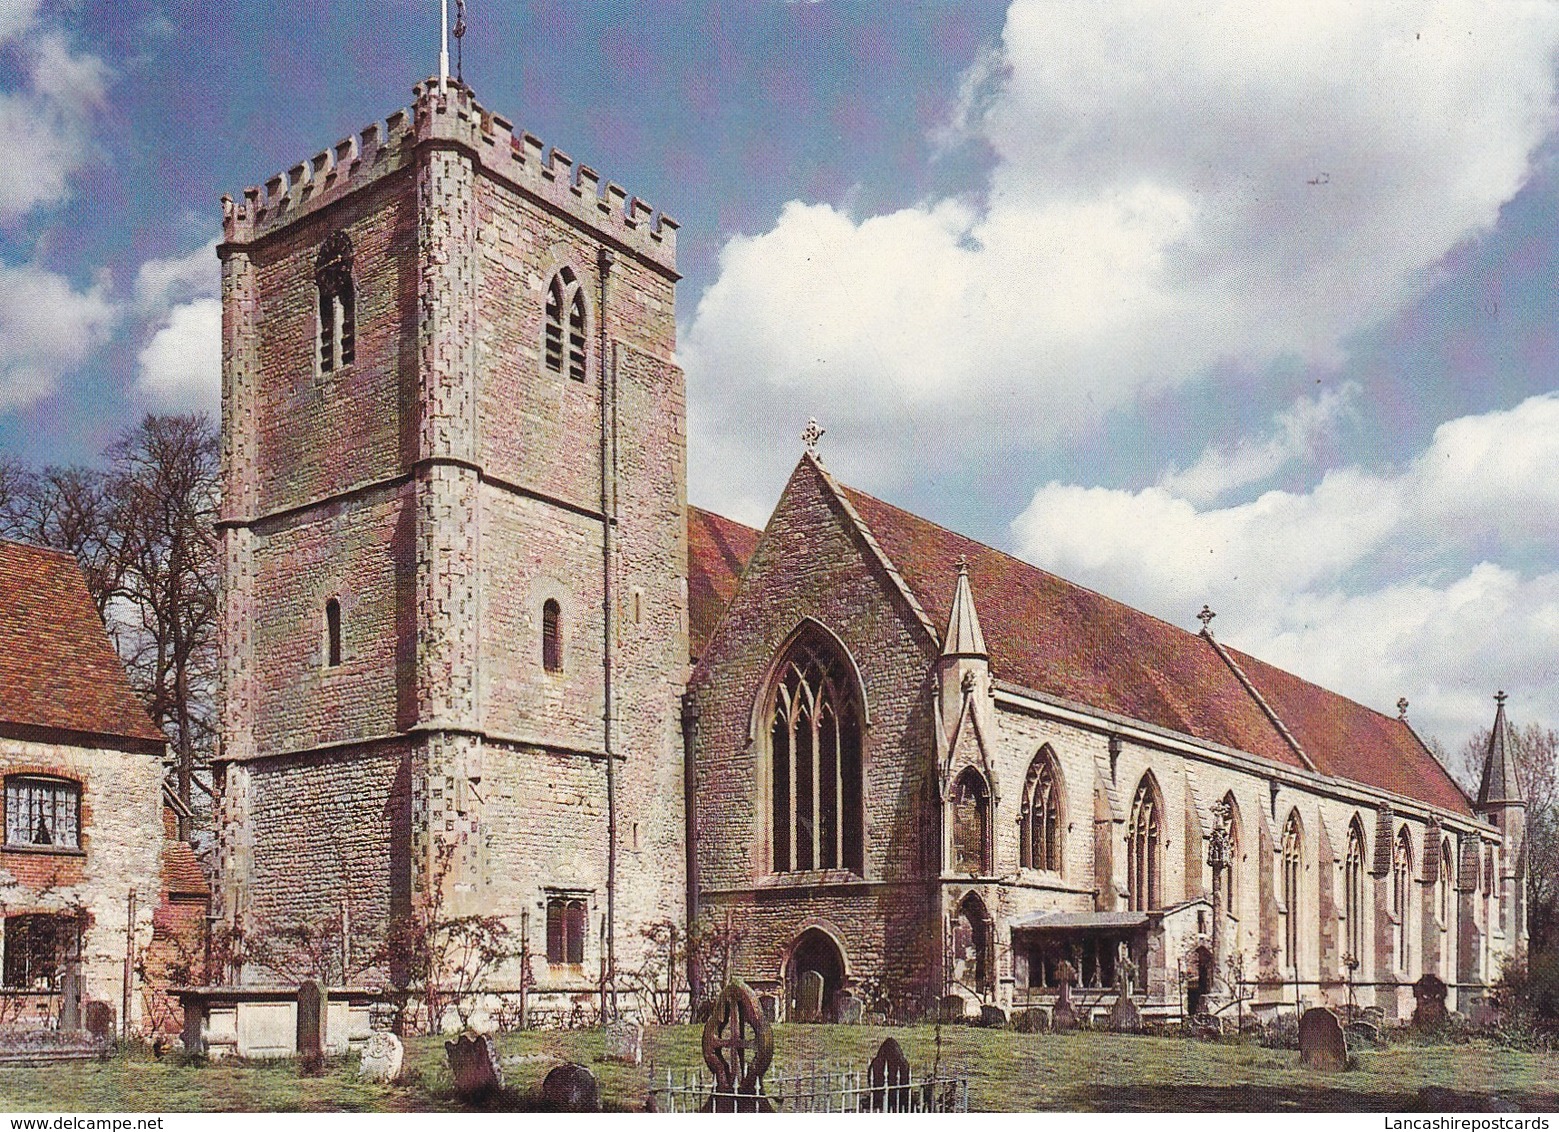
{"type": "Point", "coordinates": [181, 367]}
{"type": "Point", "coordinates": [1219, 471]}
{"type": "Point", "coordinates": [161, 282]}
{"type": "Point", "coordinates": [49, 123]}
{"type": "Point", "coordinates": [47, 327]}
{"type": "Point", "coordinates": [1376, 583]}
{"type": "Point", "coordinates": [1234, 183]}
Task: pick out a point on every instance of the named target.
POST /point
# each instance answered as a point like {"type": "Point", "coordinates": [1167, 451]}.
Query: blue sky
{"type": "Point", "coordinates": [1246, 304]}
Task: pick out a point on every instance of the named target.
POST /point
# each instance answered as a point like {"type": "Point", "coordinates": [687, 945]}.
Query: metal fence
{"type": "Point", "coordinates": [815, 1088]}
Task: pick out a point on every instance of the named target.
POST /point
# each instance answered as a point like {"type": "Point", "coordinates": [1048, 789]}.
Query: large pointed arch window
{"type": "Point", "coordinates": [337, 303]}
{"type": "Point", "coordinates": [563, 345]}
{"type": "Point", "coordinates": [815, 757]}
{"type": "Point", "coordinates": [1293, 855]}
{"type": "Point", "coordinates": [1040, 845]}
{"type": "Point", "coordinates": [1353, 891]}
{"type": "Point", "coordinates": [971, 824]}
{"type": "Point", "coordinates": [1401, 886]}
{"type": "Point", "coordinates": [1143, 847]}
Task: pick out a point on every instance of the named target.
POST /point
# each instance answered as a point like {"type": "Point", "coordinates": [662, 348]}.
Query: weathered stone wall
{"type": "Point", "coordinates": [120, 853]}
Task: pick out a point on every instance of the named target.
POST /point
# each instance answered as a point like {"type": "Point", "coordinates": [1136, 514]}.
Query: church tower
{"type": "Point", "coordinates": [454, 627]}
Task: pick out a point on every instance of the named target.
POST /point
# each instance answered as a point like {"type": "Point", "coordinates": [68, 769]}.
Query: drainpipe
{"type": "Point", "coordinates": [690, 840]}
{"type": "Point", "coordinates": [604, 261]}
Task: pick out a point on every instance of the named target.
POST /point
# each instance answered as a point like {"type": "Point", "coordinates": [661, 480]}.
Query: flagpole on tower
{"type": "Point", "coordinates": [443, 47]}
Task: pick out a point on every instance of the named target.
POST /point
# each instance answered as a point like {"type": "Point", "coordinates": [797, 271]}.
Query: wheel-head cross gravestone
{"type": "Point", "coordinates": [738, 1047]}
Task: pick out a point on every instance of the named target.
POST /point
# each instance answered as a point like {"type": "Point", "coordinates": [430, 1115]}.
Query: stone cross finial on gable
{"type": "Point", "coordinates": [1402, 708]}
{"type": "Point", "coordinates": [811, 435]}
{"type": "Point", "coordinates": [963, 563]}
{"type": "Point", "coordinates": [1206, 618]}
{"type": "Point", "coordinates": [1500, 697]}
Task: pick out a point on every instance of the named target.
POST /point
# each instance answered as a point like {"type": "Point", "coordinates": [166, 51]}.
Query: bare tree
{"type": "Point", "coordinates": [163, 481]}
{"type": "Point", "coordinates": [70, 509]}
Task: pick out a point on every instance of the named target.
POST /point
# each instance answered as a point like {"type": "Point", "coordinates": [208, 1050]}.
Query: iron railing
{"type": "Point", "coordinates": [812, 1088]}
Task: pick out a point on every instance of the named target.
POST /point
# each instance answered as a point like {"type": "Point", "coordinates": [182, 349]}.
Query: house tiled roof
{"type": "Point", "coordinates": [181, 871]}
{"type": "Point", "coordinates": [717, 550]}
{"type": "Point", "coordinates": [58, 668]}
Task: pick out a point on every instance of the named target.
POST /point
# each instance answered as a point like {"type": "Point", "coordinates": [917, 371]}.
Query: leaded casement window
{"type": "Point", "coordinates": [1144, 847]}
{"type": "Point", "coordinates": [332, 633]}
{"type": "Point", "coordinates": [36, 948]}
{"type": "Point", "coordinates": [1353, 891]}
{"type": "Point", "coordinates": [815, 759]}
{"type": "Point", "coordinates": [1292, 865]}
{"type": "Point", "coordinates": [563, 344]}
{"type": "Point", "coordinates": [551, 636]}
{"type": "Point", "coordinates": [43, 812]}
{"type": "Point", "coordinates": [971, 802]}
{"type": "Point", "coordinates": [568, 920]}
{"type": "Point", "coordinates": [1401, 887]}
{"type": "Point", "coordinates": [1040, 829]}
{"type": "Point", "coordinates": [337, 303]}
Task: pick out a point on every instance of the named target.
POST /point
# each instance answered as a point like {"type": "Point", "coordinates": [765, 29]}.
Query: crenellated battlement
{"type": "Point", "coordinates": [453, 116]}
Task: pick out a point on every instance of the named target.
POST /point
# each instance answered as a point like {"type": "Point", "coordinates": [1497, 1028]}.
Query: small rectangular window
{"type": "Point", "coordinates": [42, 812]}
{"type": "Point", "coordinates": [567, 921]}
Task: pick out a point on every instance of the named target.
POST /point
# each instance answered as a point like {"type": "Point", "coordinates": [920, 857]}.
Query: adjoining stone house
{"type": "Point", "coordinates": [461, 587]}
{"type": "Point", "coordinates": [83, 867]}
{"type": "Point", "coordinates": [925, 767]}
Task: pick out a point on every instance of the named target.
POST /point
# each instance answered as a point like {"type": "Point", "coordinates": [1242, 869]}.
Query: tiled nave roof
{"type": "Point", "coordinates": [1056, 637]}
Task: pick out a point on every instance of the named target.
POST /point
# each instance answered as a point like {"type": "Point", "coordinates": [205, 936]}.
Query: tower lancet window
{"type": "Point", "coordinates": [551, 636]}
{"type": "Point", "coordinates": [332, 633]}
{"type": "Point", "coordinates": [337, 303]}
{"type": "Point", "coordinates": [563, 345]}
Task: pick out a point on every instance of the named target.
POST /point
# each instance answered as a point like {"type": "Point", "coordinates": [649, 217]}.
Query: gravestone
{"type": "Point", "coordinates": [1065, 1016]}
{"type": "Point", "coordinates": [313, 1005]}
{"type": "Point", "coordinates": [888, 1079]}
{"type": "Point", "coordinates": [848, 1011]}
{"type": "Point", "coordinates": [809, 997]}
{"type": "Point", "coordinates": [100, 1019]}
{"type": "Point", "coordinates": [382, 1058]}
{"type": "Point", "coordinates": [70, 1001]}
{"type": "Point", "coordinates": [1321, 1044]}
{"type": "Point", "coordinates": [1429, 994]}
{"type": "Point", "coordinates": [1205, 1026]}
{"type": "Point", "coordinates": [770, 1006]}
{"type": "Point", "coordinates": [1125, 1018]}
{"type": "Point", "coordinates": [1363, 1033]}
{"type": "Point", "coordinates": [571, 1088]}
{"type": "Point", "coordinates": [624, 1042]}
{"type": "Point", "coordinates": [992, 1017]}
{"type": "Point", "coordinates": [955, 1008]}
{"type": "Point", "coordinates": [474, 1064]}
{"type": "Point", "coordinates": [738, 1046]}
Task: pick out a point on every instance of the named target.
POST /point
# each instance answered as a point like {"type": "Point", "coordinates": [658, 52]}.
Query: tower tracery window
{"type": "Point", "coordinates": [563, 345]}
{"type": "Point", "coordinates": [337, 303]}
{"type": "Point", "coordinates": [815, 807]}
{"type": "Point", "coordinates": [1292, 863]}
{"type": "Point", "coordinates": [1143, 847]}
{"type": "Point", "coordinates": [1040, 835]}
{"type": "Point", "coordinates": [1353, 891]}
{"type": "Point", "coordinates": [1401, 883]}
{"type": "Point", "coordinates": [971, 824]}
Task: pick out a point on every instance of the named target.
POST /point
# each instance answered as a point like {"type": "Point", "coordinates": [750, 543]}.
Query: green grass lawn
{"type": "Point", "coordinates": [1007, 1072]}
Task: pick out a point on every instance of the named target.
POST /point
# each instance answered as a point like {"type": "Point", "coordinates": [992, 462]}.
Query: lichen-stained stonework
{"type": "Point", "coordinates": [441, 488]}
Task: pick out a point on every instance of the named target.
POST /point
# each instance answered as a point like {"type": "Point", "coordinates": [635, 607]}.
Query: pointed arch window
{"type": "Point", "coordinates": [1401, 883]}
{"type": "Point", "coordinates": [971, 824]}
{"type": "Point", "coordinates": [1293, 856]}
{"type": "Point", "coordinates": [1143, 847]}
{"type": "Point", "coordinates": [815, 760]}
{"type": "Point", "coordinates": [1353, 891]}
{"type": "Point", "coordinates": [563, 345]}
{"type": "Point", "coordinates": [1443, 886]}
{"type": "Point", "coordinates": [551, 636]}
{"type": "Point", "coordinates": [337, 303]}
{"type": "Point", "coordinates": [1040, 846]}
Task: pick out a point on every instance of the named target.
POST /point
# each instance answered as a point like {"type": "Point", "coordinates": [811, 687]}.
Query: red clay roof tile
{"type": "Point", "coordinates": [717, 551]}
{"type": "Point", "coordinates": [58, 668]}
{"type": "Point", "coordinates": [181, 871]}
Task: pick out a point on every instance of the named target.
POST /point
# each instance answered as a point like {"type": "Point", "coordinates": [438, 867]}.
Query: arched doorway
{"type": "Point", "coordinates": [1199, 984]}
{"type": "Point", "coordinates": [815, 951]}
{"type": "Point", "coordinates": [971, 946]}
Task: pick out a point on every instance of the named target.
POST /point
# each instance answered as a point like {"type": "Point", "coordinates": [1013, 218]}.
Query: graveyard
{"type": "Point", "coordinates": [1006, 1071]}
